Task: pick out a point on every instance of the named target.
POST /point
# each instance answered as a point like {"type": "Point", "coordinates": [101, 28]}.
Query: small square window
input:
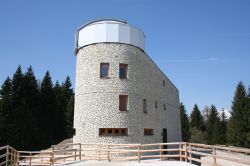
{"type": "Point", "coordinates": [123, 71]}
{"type": "Point", "coordinates": [116, 131]}
{"type": "Point", "coordinates": [148, 132]}
{"type": "Point", "coordinates": [124, 131]}
{"type": "Point", "coordinates": [109, 131]}
{"type": "Point", "coordinates": [101, 131]}
{"type": "Point", "coordinates": [104, 70]}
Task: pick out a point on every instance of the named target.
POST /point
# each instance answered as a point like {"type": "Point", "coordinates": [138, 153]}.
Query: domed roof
{"type": "Point", "coordinates": [109, 31]}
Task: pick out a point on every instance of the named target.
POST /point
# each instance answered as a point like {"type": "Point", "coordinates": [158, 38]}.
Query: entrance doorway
{"type": "Point", "coordinates": [165, 138]}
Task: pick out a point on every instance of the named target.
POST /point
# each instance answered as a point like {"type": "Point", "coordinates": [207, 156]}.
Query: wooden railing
{"type": "Point", "coordinates": [8, 156]}
{"type": "Point", "coordinates": [182, 151]}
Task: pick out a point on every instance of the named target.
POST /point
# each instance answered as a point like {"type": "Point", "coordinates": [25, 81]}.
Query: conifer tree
{"type": "Point", "coordinates": [5, 111]}
{"type": "Point", "coordinates": [47, 112]}
{"type": "Point", "coordinates": [31, 102]}
{"type": "Point", "coordinates": [196, 119]}
{"type": "Point", "coordinates": [212, 127]}
{"type": "Point", "coordinates": [69, 111]}
{"type": "Point", "coordinates": [67, 86]}
{"type": "Point", "coordinates": [223, 128]}
{"type": "Point", "coordinates": [18, 113]}
{"type": "Point", "coordinates": [60, 100]}
{"type": "Point", "coordinates": [69, 117]}
{"type": "Point", "coordinates": [239, 121]}
{"type": "Point", "coordinates": [248, 119]}
{"type": "Point", "coordinates": [184, 124]}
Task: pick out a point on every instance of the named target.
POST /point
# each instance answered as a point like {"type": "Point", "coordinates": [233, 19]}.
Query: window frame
{"type": "Point", "coordinates": [126, 102]}
{"type": "Point", "coordinates": [113, 131]}
{"type": "Point", "coordinates": [126, 70]}
{"type": "Point", "coordinates": [101, 74]}
{"type": "Point", "coordinates": [148, 132]}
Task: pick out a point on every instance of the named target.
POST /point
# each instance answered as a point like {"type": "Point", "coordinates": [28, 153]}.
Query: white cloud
{"type": "Point", "coordinates": [213, 59]}
{"type": "Point", "coordinates": [227, 112]}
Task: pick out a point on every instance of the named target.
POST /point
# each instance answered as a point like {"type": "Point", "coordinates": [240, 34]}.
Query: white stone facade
{"type": "Point", "coordinates": [97, 100]}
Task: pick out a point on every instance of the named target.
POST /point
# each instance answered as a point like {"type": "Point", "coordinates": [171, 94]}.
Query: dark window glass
{"type": "Point", "coordinates": [163, 82]}
{"type": "Point", "coordinates": [148, 132]}
{"type": "Point", "coordinates": [156, 104]}
{"type": "Point", "coordinates": [164, 107]}
{"type": "Point", "coordinates": [123, 70]}
{"type": "Point", "coordinates": [104, 73]}
{"type": "Point", "coordinates": [145, 106]}
{"type": "Point", "coordinates": [123, 102]}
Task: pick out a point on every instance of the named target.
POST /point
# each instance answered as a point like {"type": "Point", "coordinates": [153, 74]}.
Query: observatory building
{"type": "Point", "coordinates": [121, 95]}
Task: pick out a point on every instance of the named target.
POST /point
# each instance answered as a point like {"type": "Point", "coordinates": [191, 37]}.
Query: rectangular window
{"type": "Point", "coordinates": [145, 106]}
{"type": "Point", "coordinates": [148, 132]}
{"type": "Point", "coordinates": [156, 104]}
{"type": "Point", "coordinates": [163, 82]}
{"type": "Point", "coordinates": [104, 70]}
{"type": "Point", "coordinates": [164, 107]}
{"type": "Point", "coordinates": [123, 71]}
{"type": "Point", "coordinates": [113, 131]}
{"type": "Point", "coordinates": [123, 102]}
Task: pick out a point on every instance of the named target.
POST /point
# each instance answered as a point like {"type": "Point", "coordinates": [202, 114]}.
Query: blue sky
{"type": "Point", "coordinates": [203, 46]}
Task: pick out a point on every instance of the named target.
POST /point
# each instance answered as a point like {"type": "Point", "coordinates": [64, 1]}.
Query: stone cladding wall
{"type": "Point", "coordinates": [97, 100]}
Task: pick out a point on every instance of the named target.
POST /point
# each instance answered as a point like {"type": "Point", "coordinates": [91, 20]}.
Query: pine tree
{"type": "Point", "coordinates": [223, 128]}
{"type": "Point", "coordinates": [239, 121]}
{"type": "Point", "coordinates": [212, 127]}
{"type": "Point", "coordinates": [184, 124]}
{"type": "Point", "coordinates": [67, 86]}
{"type": "Point", "coordinates": [47, 112]}
{"type": "Point", "coordinates": [5, 111]}
{"type": "Point", "coordinates": [18, 113]}
{"type": "Point", "coordinates": [196, 119]}
{"type": "Point", "coordinates": [60, 100]}
{"type": "Point", "coordinates": [248, 119]}
{"type": "Point", "coordinates": [31, 102]}
{"type": "Point", "coordinates": [69, 116]}
{"type": "Point", "coordinates": [69, 111]}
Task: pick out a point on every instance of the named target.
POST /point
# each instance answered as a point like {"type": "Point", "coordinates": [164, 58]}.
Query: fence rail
{"type": "Point", "coordinates": [182, 151]}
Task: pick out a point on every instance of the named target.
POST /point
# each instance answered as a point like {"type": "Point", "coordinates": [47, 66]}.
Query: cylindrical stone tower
{"type": "Point", "coordinates": [121, 96]}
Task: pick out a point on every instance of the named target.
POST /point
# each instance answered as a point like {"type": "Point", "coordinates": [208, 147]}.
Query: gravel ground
{"type": "Point", "coordinates": [130, 163]}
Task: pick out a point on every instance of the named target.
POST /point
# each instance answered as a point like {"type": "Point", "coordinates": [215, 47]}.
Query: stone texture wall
{"type": "Point", "coordinates": [97, 100]}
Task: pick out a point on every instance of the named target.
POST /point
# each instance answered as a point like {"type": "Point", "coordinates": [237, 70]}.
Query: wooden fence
{"type": "Point", "coordinates": [182, 151]}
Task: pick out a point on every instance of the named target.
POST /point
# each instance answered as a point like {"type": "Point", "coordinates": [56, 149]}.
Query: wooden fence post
{"type": "Point", "coordinates": [180, 152]}
{"type": "Point", "coordinates": [18, 157]}
{"type": "Point", "coordinates": [109, 159]}
{"type": "Point", "coordinates": [160, 147]}
{"type": "Point", "coordinates": [80, 151]}
{"type": "Point", "coordinates": [30, 158]}
{"type": "Point", "coordinates": [7, 155]}
{"type": "Point", "coordinates": [75, 154]}
{"type": "Point", "coordinates": [139, 153]}
{"type": "Point", "coordinates": [214, 155]}
{"type": "Point", "coordinates": [52, 155]}
{"type": "Point", "coordinates": [186, 152]}
{"type": "Point", "coordinates": [190, 153]}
